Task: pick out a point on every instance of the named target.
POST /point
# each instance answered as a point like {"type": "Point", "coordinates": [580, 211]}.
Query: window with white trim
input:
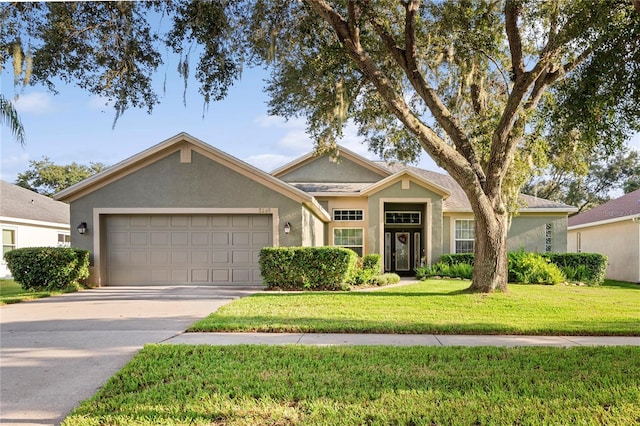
{"type": "Point", "coordinates": [351, 238]}
{"type": "Point", "coordinates": [404, 218]}
{"type": "Point", "coordinates": [464, 236]}
{"type": "Point", "coordinates": [8, 241]}
{"type": "Point", "coordinates": [64, 240]}
{"type": "Point", "coordinates": [548, 237]}
{"type": "Point", "coordinates": [344, 215]}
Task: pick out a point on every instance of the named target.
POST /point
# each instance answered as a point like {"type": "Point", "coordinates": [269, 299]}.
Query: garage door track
{"type": "Point", "coordinates": [58, 351]}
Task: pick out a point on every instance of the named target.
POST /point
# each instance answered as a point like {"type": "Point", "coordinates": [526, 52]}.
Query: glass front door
{"type": "Point", "coordinates": [402, 251]}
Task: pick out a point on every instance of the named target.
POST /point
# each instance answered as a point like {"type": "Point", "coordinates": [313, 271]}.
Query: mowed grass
{"type": "Point", "coordinates": [11, 292]}
{"type": "Point", "coordinates": [277, 385]}
{"type": "Point", "coordinates": [439, 307]}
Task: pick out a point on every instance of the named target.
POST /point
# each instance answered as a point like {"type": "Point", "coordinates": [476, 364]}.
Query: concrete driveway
{"type": "Point", "coordinates": [58, 351]}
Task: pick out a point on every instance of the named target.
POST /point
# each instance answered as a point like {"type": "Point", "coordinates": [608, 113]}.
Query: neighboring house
{"type": "Point", "coordinates": [185, 212]}
{"type": "Point", "coordinates": [29, 219]}
{"type": "Point", "coordinates": [612, 229]}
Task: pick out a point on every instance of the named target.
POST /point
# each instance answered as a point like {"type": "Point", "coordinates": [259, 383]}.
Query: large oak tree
{"type": "Point", "coordinates": [488, 88]}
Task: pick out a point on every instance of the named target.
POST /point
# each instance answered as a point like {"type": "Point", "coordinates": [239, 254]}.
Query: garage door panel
{"type": "Point", "coordinates": [118, 239]}
{"type": "Point", "coordinates": [139, 258]}
{"type": "Point", "coordinates": [179, 257]}
{"type": "Point", "coordinates": [180, 221]}
{"type": "Point", "coordinates": [184, 249]}
{"type": "Point", "coordinates": [139, 221]}
{"type": "Point", "coordinates": [220, 256]}
{"type": "Point", "coordinates": [240, 239]}
{"type": "Point", "coordinates": [160, 239]}
{"type": "Point", "coordinates": [200, 257]}
{"type": "Point", "coordinates": [160, 221]}
{"type": "Point", "coordinates": [200, 221]}
{"type": "Point", "coordinates": [179, 276]}
{"type": "Point", "coordinates": [220, 276]}
{"type": "Point", "coordinates": [200, 239]}
{"type": "Point", "coordinates": [160, 276]}
{"type": "Point", "coordinates": [159, 257]}
{"type": "Point", "coordinates": [220, 221]}
{"type": "Point", "coordinates": [139, 239]}
{"type": "Point", "coordinates": [260, 238]}
{"type": "Point", "coordinates": [241, 275]}
{"type": "Point", "coordinates": [240, 257]}
{"type": "Point", "coordinates": [179, 238]}
{"type": "Point", "coordinates": [200, 275]}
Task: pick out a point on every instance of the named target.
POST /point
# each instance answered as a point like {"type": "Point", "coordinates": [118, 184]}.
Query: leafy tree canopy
{"type": "Point", "coordinates": [47, 178]}
{"type": "Point", "coordinates": [590, 186]}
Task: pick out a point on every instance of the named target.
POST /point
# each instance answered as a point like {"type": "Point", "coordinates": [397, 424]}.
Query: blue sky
{"type": "Point", "coordinates": [75, 126]}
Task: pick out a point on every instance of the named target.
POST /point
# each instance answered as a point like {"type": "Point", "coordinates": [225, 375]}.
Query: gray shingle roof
{"type": "Point", "coordinates": [627, 205]}
{"type": "Point", "coordinates": [331, 188]}
{"type": "Point", "coordinates": [21, 203]}
{"type": "Point", "coordinates": [458, 199]}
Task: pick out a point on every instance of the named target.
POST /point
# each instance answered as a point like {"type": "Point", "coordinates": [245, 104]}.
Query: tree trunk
{"type": "Point", "coordinates": [490, 252]}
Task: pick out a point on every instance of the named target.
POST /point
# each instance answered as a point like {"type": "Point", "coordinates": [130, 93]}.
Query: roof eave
{"type": "Point", "coordinates": [634, 218]}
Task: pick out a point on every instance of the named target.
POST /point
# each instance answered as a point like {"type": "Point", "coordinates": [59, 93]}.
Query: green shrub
{"type": "Point", "coordinates": [385, 279]}
{"type": "Point", "coordinates": [589, 268]}
{"type": "Point", "coordinates": [368, 268]}
{"type": "Point", "coordinates": [441, 269]}
{"type": "Point", "coordinates": [456, 258]}
{"type": "Point", "coordinates": [48, 268]}
{"type": "Point", "coordinates": [532, 268]}
{"type": "Point", "coordinates": [307, 268]}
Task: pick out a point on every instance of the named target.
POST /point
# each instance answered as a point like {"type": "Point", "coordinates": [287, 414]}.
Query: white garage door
{"type": "Point", "coordinates": [185, 249]}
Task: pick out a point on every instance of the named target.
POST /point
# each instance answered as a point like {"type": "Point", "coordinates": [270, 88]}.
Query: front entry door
{"type": "Point", "coordinates": [402, 251]}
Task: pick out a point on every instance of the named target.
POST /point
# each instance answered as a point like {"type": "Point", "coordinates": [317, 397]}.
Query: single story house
{"type": "Point", "coordinates": [184, 212]}
{"type": "Point", "coordinates": [29, 219]}
{"type": "Point", "coordinates": [612, 229]}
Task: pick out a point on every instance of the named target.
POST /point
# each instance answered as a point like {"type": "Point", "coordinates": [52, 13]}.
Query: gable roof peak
{"type": "Point", "coordinates": [341, 151]}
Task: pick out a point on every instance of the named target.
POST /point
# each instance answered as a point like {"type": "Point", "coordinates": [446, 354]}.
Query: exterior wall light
{"type": "Point", "coordinates": [82, 228]}
{"type": "Point", "coordinates": [287, 228]}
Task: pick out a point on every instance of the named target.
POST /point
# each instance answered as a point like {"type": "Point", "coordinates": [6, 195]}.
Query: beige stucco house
{"type": "Point", "coordinates": [612, 229]}
{"type": "Point", "coordinates": [185, 212]}
{"type": "Point", "coordinates": [28, 219]}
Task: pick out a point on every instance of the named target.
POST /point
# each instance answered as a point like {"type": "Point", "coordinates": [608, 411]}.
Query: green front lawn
{"type": "Point", "coordinates": [278, 385]}
{"type": "Point", "coordinates": [440, 307]}
{"type": "Point", "coordinates": [11, 292]}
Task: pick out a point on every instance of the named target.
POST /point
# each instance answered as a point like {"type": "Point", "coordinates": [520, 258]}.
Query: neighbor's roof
{"type": "Point", "coordinates": [20, 203]}
{"type": "Point", "coordinates": [625, 207]}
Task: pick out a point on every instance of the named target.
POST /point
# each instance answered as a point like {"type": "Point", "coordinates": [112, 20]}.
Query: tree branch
{"type": "Point", "coordinates": [511, 14]}
{"type": "Point", "coordinates": [443, 154]}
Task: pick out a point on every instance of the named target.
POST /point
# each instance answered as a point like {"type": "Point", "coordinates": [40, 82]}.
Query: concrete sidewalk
{"type": "Point", "coordinates": [396, 340]}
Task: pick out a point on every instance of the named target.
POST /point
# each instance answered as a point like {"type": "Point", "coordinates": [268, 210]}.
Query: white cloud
{"type": "Point", "coordinates": [13, 165]}
{"type": "Point", "coordinates": [99, 103]}
{"type": "Point", "coordinates": [34, 103]}
{"type": "Point", "coordinates": [279, 122]}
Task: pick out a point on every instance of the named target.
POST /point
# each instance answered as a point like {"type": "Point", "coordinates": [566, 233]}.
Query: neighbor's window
{"type": "Point", "coordinates": [464, 236]}
{"type": "Point", "coordinates": [351, 238]}
{"type": "Point", "coordinates": [64, 240]}
{"type": "Point", "coordinates": [8, 240]}
{"type": "Point", "coordinates": [348, 215]}
{"type": "Point", "coordinates": [548, 237]}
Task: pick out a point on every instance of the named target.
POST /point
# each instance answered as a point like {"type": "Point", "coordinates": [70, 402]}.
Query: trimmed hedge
{"type": "Point", "coordinates": [308, 268]}
{"type": "Point", "coordinates": [48, 268]}
{"type": "Point", "coordinates": [589, 268]}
